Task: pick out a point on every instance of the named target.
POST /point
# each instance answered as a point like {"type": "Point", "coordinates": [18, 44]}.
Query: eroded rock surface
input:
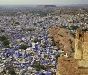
{"type": "Point", "coordinates": [62, 38]}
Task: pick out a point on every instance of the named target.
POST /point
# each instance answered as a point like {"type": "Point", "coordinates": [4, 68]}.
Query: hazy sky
{"type": "Point", "coordinates": [21, 2]}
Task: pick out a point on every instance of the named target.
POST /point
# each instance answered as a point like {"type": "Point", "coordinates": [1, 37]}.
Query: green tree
{"type": "Point", "coordinates": [6, 43]}
{"type": "Point", "coordinates": [38, 66]}
{"type": "Point", "coordinates": [23, 46]}
{"type": "Point", "coordinates": [2, 38]}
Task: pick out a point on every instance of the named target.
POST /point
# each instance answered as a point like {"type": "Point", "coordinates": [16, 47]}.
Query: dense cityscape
{"type": "Point", "coordinates": [26, 47]}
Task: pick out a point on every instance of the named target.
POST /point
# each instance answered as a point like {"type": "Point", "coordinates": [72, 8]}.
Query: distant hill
{"type": "Point", "coordinates": [47, 6]}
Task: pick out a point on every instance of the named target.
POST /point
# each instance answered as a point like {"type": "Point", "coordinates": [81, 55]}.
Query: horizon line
{"type": "Point", "coordinates": [46, 4]}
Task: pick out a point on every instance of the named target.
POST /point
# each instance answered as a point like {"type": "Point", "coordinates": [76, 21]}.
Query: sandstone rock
{"type": "Point", "coordinates": [62, 38]}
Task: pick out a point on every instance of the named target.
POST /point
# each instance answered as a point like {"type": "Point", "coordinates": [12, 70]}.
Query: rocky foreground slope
{"type": "Point", "coordinates": [63, 39]}
{"type": "Point", "coordinates": [76, 64]}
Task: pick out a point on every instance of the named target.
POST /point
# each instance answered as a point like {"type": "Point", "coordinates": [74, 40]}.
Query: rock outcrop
{"type": "Point", "coordinates": [77, 65]}
{"type": "Point", "coordinates": [62, 38]}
